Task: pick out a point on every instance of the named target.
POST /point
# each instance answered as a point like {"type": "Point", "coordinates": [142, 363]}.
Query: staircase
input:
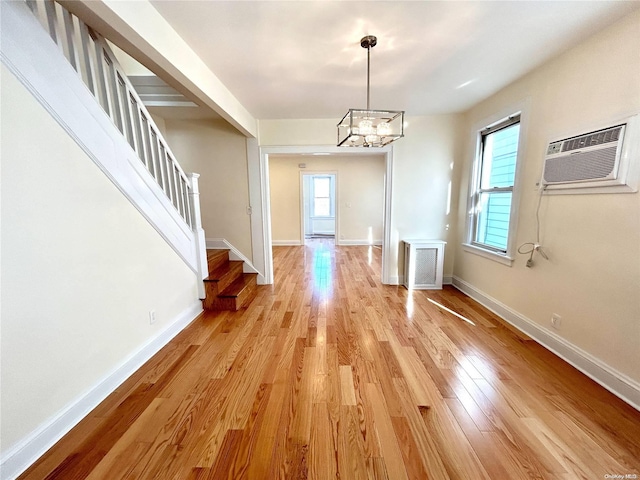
{"type": "Point", "coordinates": [91, 97]}
{"type": "Point", "coordinates": [227, 287]}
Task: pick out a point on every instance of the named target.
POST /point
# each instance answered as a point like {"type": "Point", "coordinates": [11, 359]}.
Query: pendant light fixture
{"type": "Point", "coordinates": [370, 128]}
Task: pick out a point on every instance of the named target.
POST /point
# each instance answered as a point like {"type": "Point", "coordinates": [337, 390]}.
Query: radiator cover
{"type": "Point", "coordinates": [423, 264]}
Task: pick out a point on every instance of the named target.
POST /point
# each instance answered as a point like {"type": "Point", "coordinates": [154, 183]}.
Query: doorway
{"type": "Point", "coordinates": [319, 212]}
{"type": "Point", "coordinates": [258, 170]}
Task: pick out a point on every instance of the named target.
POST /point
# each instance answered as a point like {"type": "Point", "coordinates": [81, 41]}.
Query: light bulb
{"type": "Point", "coordinates": [366, 127]}
{"type": "Point", "coordinates": [371, 138]}
{"type": "Point", "coordinates": [384, 129]}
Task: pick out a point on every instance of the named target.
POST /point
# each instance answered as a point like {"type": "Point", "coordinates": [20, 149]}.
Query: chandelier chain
{"type": "Point", "coordinates": [368, 77]}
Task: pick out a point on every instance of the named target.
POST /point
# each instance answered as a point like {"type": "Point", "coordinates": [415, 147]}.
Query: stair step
{"type": "Point", "coordinates": [225, 274]}
{"type": "Point", "coordinates": [227, 287]}
{"type": "Point", "coordinates": [216, 258]}
{"type": "Point", "coordinates": [239, 293]}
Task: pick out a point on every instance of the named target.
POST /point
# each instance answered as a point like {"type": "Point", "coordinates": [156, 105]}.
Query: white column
{"type": "Point", "coordinates": [196, 221]}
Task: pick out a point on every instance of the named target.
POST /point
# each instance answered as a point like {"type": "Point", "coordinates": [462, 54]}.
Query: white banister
{"type": "Point", "coordinates": [70, 42]}
{"type": "Point", "coordinates": [89, 69]}
{"type": "Point", "coordinates": [147, 151]}
{"type": "Point", "coordinates": [89, 54]}
{"type": "Point", "coordinates": [201, 246]}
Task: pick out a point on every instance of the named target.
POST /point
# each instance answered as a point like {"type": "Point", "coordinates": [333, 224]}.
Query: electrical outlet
{"type": "Point", "coordinates": [556, 321]}
{"type": "Point", "coordinates": [152, 317]}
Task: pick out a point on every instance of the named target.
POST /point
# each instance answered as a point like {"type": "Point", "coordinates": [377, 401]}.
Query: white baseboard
{"type": "Point", "coordinates": [217, 244]}
{"type": "Point", "coordinates": [234, 253]}
{"type": "Point", "coordinates": [17, 459]}
{"type": "Point", "coordinates": [286, 243]}
{"type": "Point", "coordinates": [446, 280]}
{"type": "Point", "coordinates": [616, 382]}
{"type": "Point", "coordinates": [359, 242]}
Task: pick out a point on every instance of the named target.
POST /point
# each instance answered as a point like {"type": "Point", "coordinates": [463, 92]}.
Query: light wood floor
{"type": "Point", "coordinates": [329, 374]}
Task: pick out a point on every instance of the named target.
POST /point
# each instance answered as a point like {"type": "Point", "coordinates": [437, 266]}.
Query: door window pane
{"type": "Point", "coordinates": [321, 197]}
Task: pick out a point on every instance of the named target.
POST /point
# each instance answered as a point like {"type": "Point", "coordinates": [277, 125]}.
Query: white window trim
{"type": "Point", "coordinates": [332, 195]}
{"type": "Point", "coordinates": [483, 252]}
{"type": "Point", "coordinates": [507, 258]}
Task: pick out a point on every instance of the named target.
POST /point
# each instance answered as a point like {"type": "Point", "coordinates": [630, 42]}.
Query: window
{"type": "Point", "coordinates": [492, 187]}
{"type": "Point", "coordinates": [322, 196]}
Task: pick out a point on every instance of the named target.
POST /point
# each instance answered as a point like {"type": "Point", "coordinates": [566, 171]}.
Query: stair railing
{"type": "Point", "coordinates": [97, 66]}
{"type": "Point", "coordinates": [91, 57]}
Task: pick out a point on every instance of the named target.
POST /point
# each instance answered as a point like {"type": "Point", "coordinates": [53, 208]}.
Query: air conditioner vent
{"type": "Point", "coordinates": [591, 140]}
{"type": "Point", "coordinates": [581, 166]}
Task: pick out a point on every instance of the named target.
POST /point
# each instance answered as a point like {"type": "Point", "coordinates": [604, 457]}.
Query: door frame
{"type": "Point", "coordinates": [260, 204]}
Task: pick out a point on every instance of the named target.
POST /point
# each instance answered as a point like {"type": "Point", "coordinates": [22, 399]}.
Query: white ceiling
{"type": "Point", "coordinates": [302, 59]}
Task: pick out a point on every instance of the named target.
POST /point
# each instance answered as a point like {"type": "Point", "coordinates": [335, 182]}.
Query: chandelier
{"type": "Point", "coordinates": [370, 128]}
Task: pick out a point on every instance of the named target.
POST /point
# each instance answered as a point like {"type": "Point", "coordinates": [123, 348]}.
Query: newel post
{"type": "Point", "coordinates": [198, 231]}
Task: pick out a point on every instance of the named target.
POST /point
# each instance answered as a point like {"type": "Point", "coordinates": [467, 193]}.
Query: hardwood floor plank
{"type": "Point", "coordinates": [410, 454]}
{"type": "Point", "coordinates": [483, 446]}
{"type": "Point", "coordinates": [120, 454]}
{"type": "Point", "coordinates": [323, 458]}
{"type": "Point", "coordinates": [432, 369]}
{"type": "Point", "coordinates": [427, 447]}
{"type": "Point", "coordinates": [582, 445]}
{"type": "Point", "coordinates": [265, 442]}
{"type": "Point", "coordinates": [347, 390]}
{"type": "Point", "coordinates": [222, 468]}
{"type": "Point", "coordinates": [301, 427]}
{"type": "Point", "coordinates": [456, 453]}
{"type": "Point", "coordinates": [473, 400]}
{"type": "Point", "coordinates": [564, 455]}
{"type": "Point", "coordinates": [514, 434]}
{"type": "Point", "coordinates": [351, 459]}
{"type": "Point", "coordinates": [328, 374]}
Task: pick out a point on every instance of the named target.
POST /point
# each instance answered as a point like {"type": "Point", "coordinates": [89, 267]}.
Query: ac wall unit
{"type": "Point", "coordinates": [599, 158]}
{"type": "Point", "coordinates": [423, 264]}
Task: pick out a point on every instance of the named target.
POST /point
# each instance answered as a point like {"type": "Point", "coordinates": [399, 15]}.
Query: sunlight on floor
{"type": "Point", "coordinates": [451, 312]}
{"type": "Point", "coordinates": [410, 305]}
{"type": "Point", "coordinates": [322, 279]}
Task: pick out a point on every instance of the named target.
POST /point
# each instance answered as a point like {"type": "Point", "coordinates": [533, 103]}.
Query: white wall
{"type": "Point", "coordinates": [218, 152]}
{"type": "Point", "coordinates": [423, 166]}
{"type": "Point", "coordinates": [593, 277]}
{"type": "Point", "coordinates": [359, 195]}
{"type": "Point", "coordinates": [297, 132]}
{"type": "Point", "coordinates": [81, 269]}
